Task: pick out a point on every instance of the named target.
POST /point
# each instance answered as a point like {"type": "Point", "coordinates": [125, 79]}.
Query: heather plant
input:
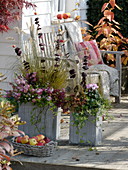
{"type": "Point", "coordinates": [28, 89]}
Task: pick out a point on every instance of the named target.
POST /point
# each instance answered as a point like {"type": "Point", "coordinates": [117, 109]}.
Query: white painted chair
{"type": "Point", "coordinates": [49, 36]}
{"type": "Point", "coordinates": [119, 69]}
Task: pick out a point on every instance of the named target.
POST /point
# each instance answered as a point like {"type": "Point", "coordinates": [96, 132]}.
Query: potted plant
{"type": "Point", "coordinates": [86, 116]}
{"type": "Point", "coordinates": [86, 107]}
{"type": "Point", "coordinates": [38, 106]}
{"type": "Point", "coordinates": [39, 88]}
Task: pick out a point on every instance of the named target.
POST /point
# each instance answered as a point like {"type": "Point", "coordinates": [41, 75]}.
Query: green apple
{"type": "Point", "coordinates": [24, 139]}
{"type": "Point", "coordinates": [32, 141]}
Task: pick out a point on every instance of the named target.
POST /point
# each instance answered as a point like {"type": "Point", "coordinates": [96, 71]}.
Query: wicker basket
{"type": "Point", "coordinates": [40, 151]}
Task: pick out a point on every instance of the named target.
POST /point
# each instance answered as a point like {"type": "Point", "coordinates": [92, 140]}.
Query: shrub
{"type": "Point", "coordinates": [94, 14]}
{"type": "Point", "coordinates": [11, 10]}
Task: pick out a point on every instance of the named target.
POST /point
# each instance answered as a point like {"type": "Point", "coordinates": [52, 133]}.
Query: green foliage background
{"type": "Point", "coordinates": [94, 13]}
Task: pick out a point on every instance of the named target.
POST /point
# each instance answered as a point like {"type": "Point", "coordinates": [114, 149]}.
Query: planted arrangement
{"type": "Point", "coordinates": [86, 107]}
{"type": "Point", "coordinates": [86, 111]}
{"type": "Point", "coordinates": [88, 103]}
{"type": "Point", "coordinates": [41, 82]}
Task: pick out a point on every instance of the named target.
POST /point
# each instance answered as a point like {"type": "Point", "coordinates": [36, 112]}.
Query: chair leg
{"type": "Point", "coordinates": [117, 99]}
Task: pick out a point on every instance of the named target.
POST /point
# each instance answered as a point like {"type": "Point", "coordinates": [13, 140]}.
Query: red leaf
{"type": "Point", "coordinates": [5, 156]}
{"type": "Point", "coordinates": [112, 2]}
{"type": "Point", "coordinates": [6, 146]}
{"type": "Point", "coordinates": [7, 167]}
{"type": "Point", "coordinates": [21, 132]}
{"type": "Point", "coordinates": [118, 7]}
{"type": "Point", "coordinates": [2, 150]}
{"type": "Point", "coordinates": [109, 15]}
{"type": "Point", "coordinates": [14, 133]}
{"type": "Point", "coordinates": [115, 22]}
{"type": "Point", "coordinates": [86, 22]}
{"type": "Point", "coordinates": [99, 33]}
{"type": "Point", "coordinates": [3, 135]}
{"type": "Point", "coordinates": [101, 20]}
{"type": "Point", "coordinates": [104, 6]}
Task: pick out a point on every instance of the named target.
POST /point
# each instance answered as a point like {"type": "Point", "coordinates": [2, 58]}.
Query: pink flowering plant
{"type": "Point", "coordinates": [28, 89]}
{"type": "Point", "coordinates": [95, 102]}
{"type": "Point", "coordinates": [87, 103]}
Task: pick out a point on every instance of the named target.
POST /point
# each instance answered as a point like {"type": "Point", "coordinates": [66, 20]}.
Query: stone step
{"type": "Point", "coordinates": [39, 166]}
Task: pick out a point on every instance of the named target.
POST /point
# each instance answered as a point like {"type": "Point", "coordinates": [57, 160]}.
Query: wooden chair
{"type": "Point", "coordinates": [119, 69]}
{"type": "Point", "coordinates": [50, 34]}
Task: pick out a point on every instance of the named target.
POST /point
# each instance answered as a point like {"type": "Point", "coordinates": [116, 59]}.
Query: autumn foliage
{"type": "Point", "coordinates": [8, 128]}
{"type": "Point", "coordinates": [10, 10]}
{"type": "Point", "coordinates": [107, 33]}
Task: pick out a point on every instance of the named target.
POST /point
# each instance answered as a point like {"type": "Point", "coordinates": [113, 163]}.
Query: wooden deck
{"type": "Point", "coordinates": [112, 154]}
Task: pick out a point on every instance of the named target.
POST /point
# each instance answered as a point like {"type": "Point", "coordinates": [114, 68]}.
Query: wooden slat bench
{"type": "Point", "coordinates": [50, 35]}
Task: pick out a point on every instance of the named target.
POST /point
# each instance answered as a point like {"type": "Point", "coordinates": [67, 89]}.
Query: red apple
{"type": "Point", "coordinates": [40, 144]}
{"type": "Point", "coordinates": [66, 15]}
{"type": "Point", "coordinates": [47, 140]}
{"type": "Point", "coordinates": [35, 137]}
{"type": "Point", "coordinates": [24, 139]}
{"type": "Point", "coordinates": [32, 141]}
{"type": "Point", "coordinates": [18, 139]}
{"type": "Point", "coordinates": [39, 137]}
{"type": "Point", "coordinates": [42, 141]}
{"type": "Point", "coordinates": [59, 16]}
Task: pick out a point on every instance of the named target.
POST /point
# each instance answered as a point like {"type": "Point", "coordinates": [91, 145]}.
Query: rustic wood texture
{"type": "Point", "coordinates": [49, 124]}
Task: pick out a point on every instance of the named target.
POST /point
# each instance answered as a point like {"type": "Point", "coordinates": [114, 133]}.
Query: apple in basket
{"type": "Point", "coordinates": [42, 141]}
{"type": "Point", "coordinates": [18, 139]}
{"type": "Point", "coordinates": [35, 137]}
{"type": "Point", "coordinates": [47, 140]}
{"type": "Point", "coordinates": [24, 139]}
{"type": "Point", "coordinates": [40, 144]}
{"type": "Point", "coordinates": [40, 137]}
{"type": "Point", "coordinates": [32, 141]}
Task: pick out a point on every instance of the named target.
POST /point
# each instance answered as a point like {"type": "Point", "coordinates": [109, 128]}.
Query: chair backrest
{"type": "Point", "coordinates": [53, 41]}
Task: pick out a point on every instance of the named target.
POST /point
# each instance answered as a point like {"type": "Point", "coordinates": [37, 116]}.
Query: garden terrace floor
{"type": "Point", "coordinates": [112, 154]}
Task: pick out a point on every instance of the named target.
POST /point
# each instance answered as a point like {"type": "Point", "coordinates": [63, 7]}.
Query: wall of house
{"type": "Point", "coordinates": [70, 5]}
{"type": "Point", "coordinates": [8, 59]}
